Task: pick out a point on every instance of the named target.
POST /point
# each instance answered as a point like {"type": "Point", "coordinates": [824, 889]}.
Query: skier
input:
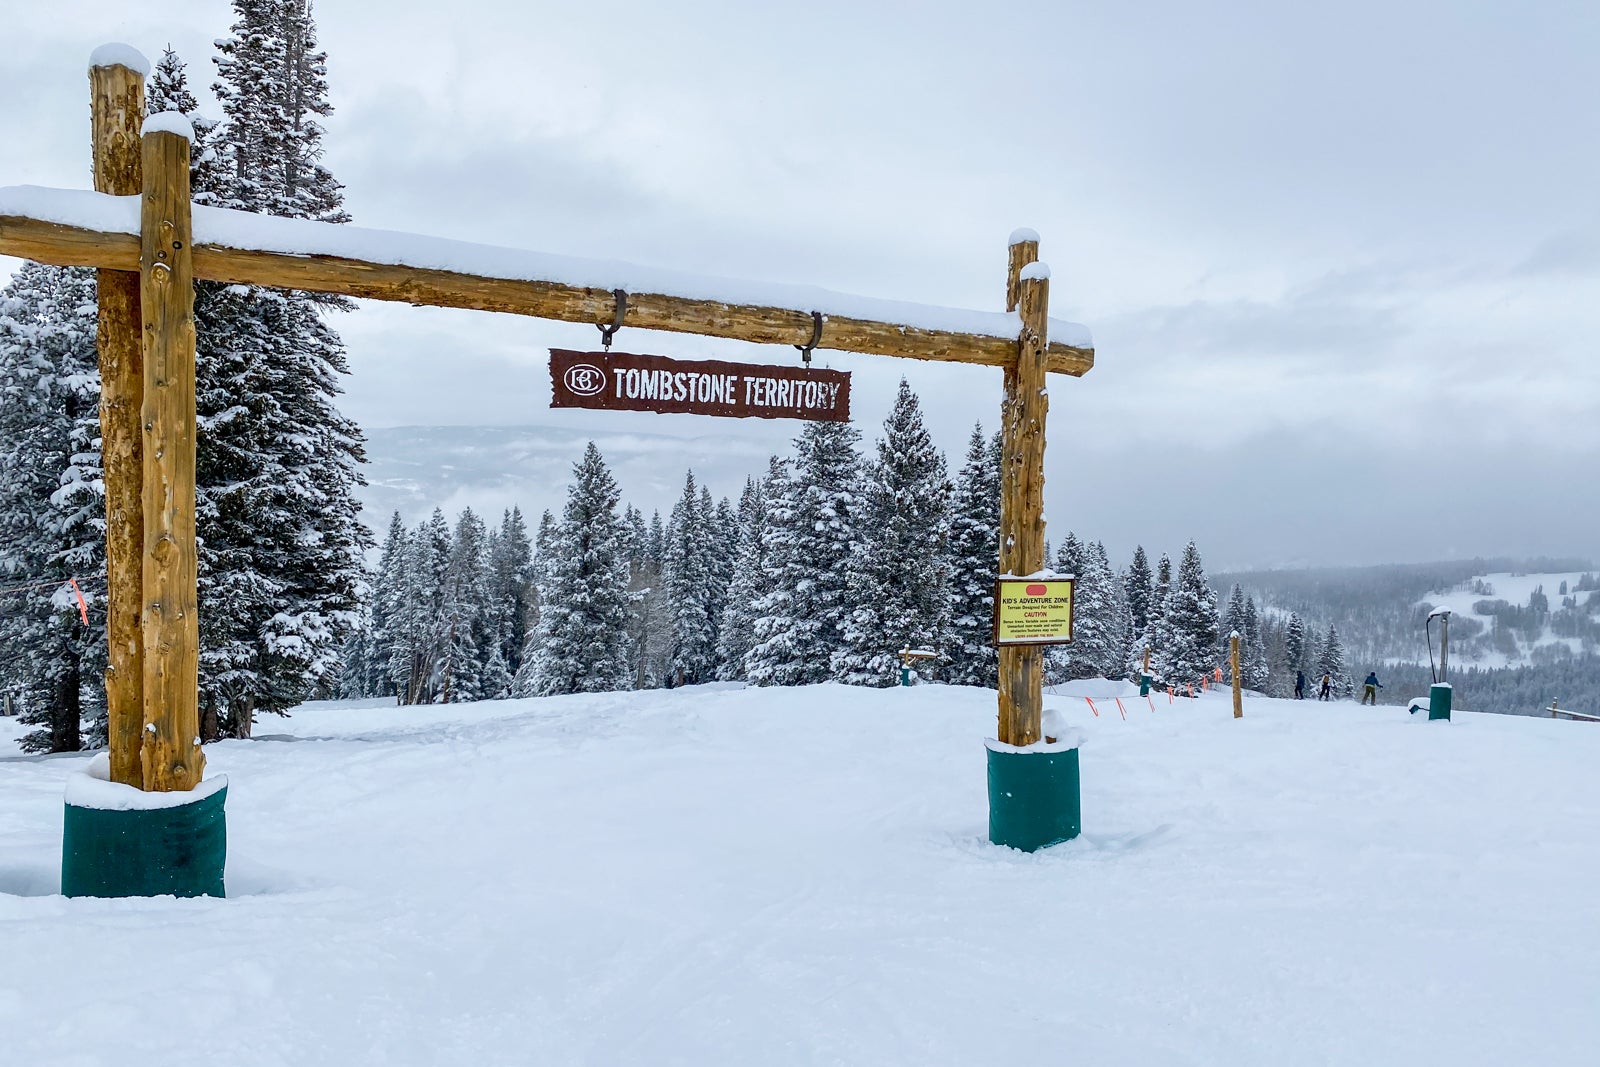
{"type": "Point", "coordinates": [1299, 685]}
{"type": "Point", "coordinates": [1370, 688]}
{"type": "Point", "coordinates": [1326, 692]}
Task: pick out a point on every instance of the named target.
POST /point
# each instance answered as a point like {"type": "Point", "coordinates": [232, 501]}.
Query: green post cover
{"type": "Point", "coordinates": [1034, 797]}
{"type": "Point", "coordinates": [178, 851]}
{"type": "Point", "coordinates": [1439, 697]}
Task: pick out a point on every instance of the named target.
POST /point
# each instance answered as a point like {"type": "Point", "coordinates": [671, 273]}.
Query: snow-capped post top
{"type": "Point", "coordinates": [170, 122]}
{"type": "Point", "coordinates": [1035, 272]}
{"type": "Point", "coordinates": [1022, 235]}
{"type": "Point", "coordinates": [120, 55]}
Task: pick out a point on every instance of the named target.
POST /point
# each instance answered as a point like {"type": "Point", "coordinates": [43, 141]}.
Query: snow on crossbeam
{"type": "Point", "coordinates": [78, 228]}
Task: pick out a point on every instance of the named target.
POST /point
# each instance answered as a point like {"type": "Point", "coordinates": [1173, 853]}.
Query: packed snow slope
{"type": "Point", "coordinates": [713, 876]}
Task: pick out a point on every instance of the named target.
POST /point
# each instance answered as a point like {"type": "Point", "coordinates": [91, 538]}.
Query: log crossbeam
{"type": "Point", "coordinates": [63, 244]}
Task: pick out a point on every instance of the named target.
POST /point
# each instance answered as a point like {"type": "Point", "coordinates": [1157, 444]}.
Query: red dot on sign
{"type": "Point", "coordinates": [1036, 590]}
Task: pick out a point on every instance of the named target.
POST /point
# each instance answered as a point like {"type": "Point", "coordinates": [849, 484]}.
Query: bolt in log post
{"type": "Point", "coordinates": [1022, 488]}
{"type": "Point", "coordinates": [1238, 685]}
{"type": "Point", "coordinates": [171, 751]}
{"type": "Point", "coordinates": [117, 107]}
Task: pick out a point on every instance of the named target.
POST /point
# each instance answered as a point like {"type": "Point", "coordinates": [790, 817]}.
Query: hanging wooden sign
{"type": "Point", "coordinates": [1033, 611]}
{"type": "Point", "coordinates": [623, 381]}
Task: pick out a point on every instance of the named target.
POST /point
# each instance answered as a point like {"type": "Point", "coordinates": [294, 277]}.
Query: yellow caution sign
{"type": "Point", "coordinates": [1033, 611]}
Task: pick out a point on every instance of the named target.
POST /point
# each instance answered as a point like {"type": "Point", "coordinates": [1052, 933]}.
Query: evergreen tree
{"type": "Point", "coordinates": [1233, 617]}
{"type": "Point", "coordinates": [511, 589]}
{"type": "Point", "coordinates": [1257, 675]}
{"type": "Point", "coordinates": [899, 580]}
{"type": "Point", "coordinates": [52, 505]}
{"type": "Point", "coordinates": [1191, 624]}
{"type": "Point", "coordinates": [812, 531]}
{"type": "Point", "coordinates": [1331, 662]}
{"type": "Point", "coordinates": [689, 579]}
{"type": "Point", "coordinates": [974, 558]}
{"type": "Point", "coordinates": [467, 638]}
{"type": "Point", "coordinates": [1294, 643]}
{"type": "Point", "coordinates": [277, 465]}
{"type": "Point", "coordinates": [416, 644]}
{"type": "Point", "coordinates": [746, 582]}
{"type": "Point", "coordinates": [1157, 636]}
{"type": "Point", "coordinates": [582, 642]}
{"type": "Point", "coordinates": [1098, 622]}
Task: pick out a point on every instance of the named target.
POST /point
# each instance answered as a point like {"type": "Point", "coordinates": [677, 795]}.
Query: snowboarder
{"type": "Point", "coordinates": [1370, 688]}
{"type": "Point", "coordinates": [1299, 685]}
{"type": "Point", "coordinates": [1326, 692]}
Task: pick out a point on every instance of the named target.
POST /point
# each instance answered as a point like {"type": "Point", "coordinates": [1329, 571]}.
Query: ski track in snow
{"type": "Point", "coordinates": [714, 875]}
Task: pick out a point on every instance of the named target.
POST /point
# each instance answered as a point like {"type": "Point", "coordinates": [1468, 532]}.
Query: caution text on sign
{"type": "Point", "coordinates": [1033, 611]}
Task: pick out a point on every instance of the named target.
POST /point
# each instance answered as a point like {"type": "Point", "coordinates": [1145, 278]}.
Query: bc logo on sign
{"type": "Point", "coordinates": [585, 379]}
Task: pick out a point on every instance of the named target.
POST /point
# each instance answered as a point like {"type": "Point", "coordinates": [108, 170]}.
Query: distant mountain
{"type": "Point", "coordinates": [414, 469]}
{"type": "Point", "coordinates": [1522, 632]}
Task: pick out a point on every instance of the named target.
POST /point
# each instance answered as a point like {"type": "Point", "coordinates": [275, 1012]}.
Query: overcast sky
{"type": "Point", "coordinates": [1341, 261]}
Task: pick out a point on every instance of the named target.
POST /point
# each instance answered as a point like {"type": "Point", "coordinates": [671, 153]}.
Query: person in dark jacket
{"type": "Point", "coordinates": [1299, 685]}
{"type": "Point", "coordinates": [1370, 688]}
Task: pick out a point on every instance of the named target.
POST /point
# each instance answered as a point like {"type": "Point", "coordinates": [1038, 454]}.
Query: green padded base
{"type": "Point", "coordinates": [161, 852]}
{"type": "Point", "coordinates": [1034, 798]}
{"type": "Point", "coordinates": [1439, 700]}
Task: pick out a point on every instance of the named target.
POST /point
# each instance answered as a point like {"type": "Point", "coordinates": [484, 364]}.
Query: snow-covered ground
{"type": "Point", "coordinates": [716, 876]}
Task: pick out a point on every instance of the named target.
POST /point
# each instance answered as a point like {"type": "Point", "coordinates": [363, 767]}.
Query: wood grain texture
{"type": "Point", "coordinates": [172, 759]}
{"type": "Point", "coordinates": [116, 96]}
{"type": "Point", "coordinates": [1023, 416]}
{"type": "Point", "coordinates": [1238, 684]}
{"type": "Point", "coordinates": [69, 246]}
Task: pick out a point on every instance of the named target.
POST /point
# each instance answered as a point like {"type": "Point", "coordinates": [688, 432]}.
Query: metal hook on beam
{"type": "Point", "coordinates": [810, 346]}
{"type": "Point", "coordinates": [608, 332]}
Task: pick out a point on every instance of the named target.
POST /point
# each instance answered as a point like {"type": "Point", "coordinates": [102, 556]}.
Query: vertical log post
{"type": "Point", "coordinates": [116, 93]}
{"type": "Point", "coordinates": [1022, 424]}
{"type": "Point", "coordinates": [171, 751]}
{"type": "Point", "coordinates": [1238, 684]}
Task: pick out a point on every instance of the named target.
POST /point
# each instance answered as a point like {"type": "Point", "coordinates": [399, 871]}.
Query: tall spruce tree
{"type": "Point", "coordinates": [974, 559]}
{"type": "Point", "coordinates": [689, 576]}
{"type": "Point", "coordinates": [812, 530]}
{"type": "Point", "coordinates": [511, 587]}
{"type": "Point", "coordinates": [582, 644]}
{"type": "Point", "coordinates": [899, 579]}
{"type": "Point", "coordinates": [1257, 674]}
{"type": "Point", "coordinates": [1331, 662]}
{"type": "Point", "coordinates": [1191, 624]}
{"type": "Point", "coordinates": [52, 506]}
{"type": "Point", "coordinates": [277, 465]}
{"type": "Point", "coordinates": [746, 582]}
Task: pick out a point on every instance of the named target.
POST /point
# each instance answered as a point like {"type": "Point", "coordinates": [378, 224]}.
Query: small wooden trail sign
{"type": "Point", "coordinates": [1033, 611]}
{"type": "Point", "coordinates": [624, 381]}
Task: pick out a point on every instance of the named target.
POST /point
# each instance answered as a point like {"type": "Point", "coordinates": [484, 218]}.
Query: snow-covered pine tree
{"type": "Point", "coordinates": [899, 578]}
{"type": "Point", "coordinates": [1113, 653]}
{"type": "Point", "coordinates": [467, 638]}
{"type": "Point", "coordinates": [1155, 636]}
{"type": "Point", "coordinates": [416, 644]}
{"type": "Point", "coordinates": [1136, 582]}
{"type": "Point", "coordinates": [1191, 625]}
{"type": "Point", "coordinates": [1233, 623]}
{"type": "Point", "coordinates": [277, 465]}
{"type": "Point", "coordinates": [52, 506]}
{"type": "Point", "coordinates": [723, 551]}
{"type": "Point", "coordinates": [1331, 661]}
{"type": "Point", "coordinates": [812, 531]}
{"type": "Point", "coordinates": [1257, 674]}
{"type": "Point", "coordinates": [582, 643]}
{"type": "Point", "coordinates": [974, 551]}
{"type": "Point", "coordinates": [1063, 662]}
{"type": "Point", "coordinates": [746, 582]}
{"type": "Point", "coordinates": [511, 588]}
{"type": "Point", "coordinates": [689, 580]}
{"type": "Point", "coordinates": [1294, 643]}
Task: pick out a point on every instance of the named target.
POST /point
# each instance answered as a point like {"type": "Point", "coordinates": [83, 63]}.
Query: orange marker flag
{"type": "Point", "coordinates": [1092, 707]}
{"type": "Point", "coordinates": [1121, 709]}
{"type": "Point", "coordinates": [1152, 702]}
{"type": "Point", "coordinates": [83, 608]}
